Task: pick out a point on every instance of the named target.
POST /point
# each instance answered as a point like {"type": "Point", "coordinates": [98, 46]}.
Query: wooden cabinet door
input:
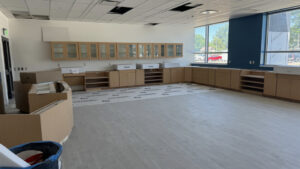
{"type": "Point", "coordinates": [58, 51]}
{"type": "Point", "coordinates": [203, 76]}
{"type": "Point", "coordinates": [235, 79]}
{"type": "Point", "coordinates": [72, 51]}
{"type": "Point", "coordinates": [283, 87]}
{"type": "Point", "coordinates": [140, 77]}
{"type": "Point", "coordinates": [212, 77]}
{"type": "Point", "coordinates": [178, 50]}
{"type": "Point", "coordinates": [188, 74]}
{"type": "Point", "coordinates": [94, 53]}
{"type": "Point", "coordinates": [295, 91]}
{"type": "Point", "coordinates": [132, 50]}
{"type": "Point", "coordinates": [223, 78]}
{"type": "Point", "coordinates": [196, 75]}
{"type": "Point", "coordinates": [167, 76]}
{"type": "Point", "coordinates": [127, 78]}
{"type": "Point", "coordinates": [177, 75]}
{"type": "Point", "coordinates": [122, 49]}
{"type": "Point", "coordinates": [170, 50]}
{"type": "Point", "coordinates": [114, 79]}
{"type": "Point", "coordinates": [84, 53]}
{"type": "Point", "coordinates": [270, 84]}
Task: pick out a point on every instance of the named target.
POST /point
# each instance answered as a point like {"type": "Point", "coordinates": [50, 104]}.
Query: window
{"type": "Point", "coordinates": [211, 43]}
{"type": "Point", "coordinates": [283, 39]}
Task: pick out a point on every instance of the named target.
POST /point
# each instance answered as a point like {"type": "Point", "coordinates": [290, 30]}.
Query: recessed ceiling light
{"type": "Point", "coordinates": [208, 12]}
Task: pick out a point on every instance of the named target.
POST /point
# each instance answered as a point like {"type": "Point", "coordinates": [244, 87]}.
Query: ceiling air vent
{"type": "Point", "coordinates": [21, 15]}
{"type": "Point", "coordinates": [120, 10]}
{"type": "Point", "coordinates": [185, 7]}
{"type": "Point", "coordinates": [40, 17]}
{"type": "Point", "coordinates": [26, 15]}
{"type": "Point", "coordinates": [152, 24]}
{"type": "Point", "coordinates": [110, 2]}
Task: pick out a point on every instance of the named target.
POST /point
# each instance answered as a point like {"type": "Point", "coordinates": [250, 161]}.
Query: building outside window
{"type": "Point", "coordinates": [211, 43]}
{"type": "Point", "coordinates": [283, 39]}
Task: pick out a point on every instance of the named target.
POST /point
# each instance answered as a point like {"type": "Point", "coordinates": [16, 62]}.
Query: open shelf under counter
{"type": "Point", "coordinates": [96, 81]}
{"type": "Point", "coordinates": [252, 81]}
{"type": "Point", "coordinates": [153, 76]}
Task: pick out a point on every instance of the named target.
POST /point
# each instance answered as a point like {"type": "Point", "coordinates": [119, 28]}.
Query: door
{"type": "Point", "coordinates": [8, 69]}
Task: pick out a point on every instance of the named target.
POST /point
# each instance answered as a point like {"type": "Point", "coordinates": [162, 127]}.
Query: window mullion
{"type": "Point", "coordinates": [206, 43]}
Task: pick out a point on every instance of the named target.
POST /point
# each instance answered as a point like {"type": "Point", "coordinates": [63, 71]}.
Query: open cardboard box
{"type": "Point", "coordinates": [53, 122]}
{"type": "Point", "coordinates": [41, 76]}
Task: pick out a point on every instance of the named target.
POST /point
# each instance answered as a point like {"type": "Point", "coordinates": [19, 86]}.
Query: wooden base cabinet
{"type": "Point", "coordinates": [223, 78]}
{"type": "Point", "coordinates": [114, 79]}
{"type": "Point", "coordinates": [177, 75]}
{"type": "Point", "coordinates": [127, 78]}
{"type": "Point", "coordinates": [270, 84]}
{"type": "Point", "coordinates": [139, 77]}
{"type": "Point", "coordinates": [166, 76]}
{"type": "Point", "coordinates": [188, 74]}
{"type": "Point", "coordinates": [288, 87]}
{"type": "Point", "coordinates": [212, 77]}
{"type": "Point", "coordinates": [235, 79]}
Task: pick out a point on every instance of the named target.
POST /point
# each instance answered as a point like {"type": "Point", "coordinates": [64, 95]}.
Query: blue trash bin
{"type": "Point", "coordinates": [51, 153]}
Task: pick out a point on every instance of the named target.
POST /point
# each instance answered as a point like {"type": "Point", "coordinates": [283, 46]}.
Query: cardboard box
{"type": "Point", "coordinates": [37, 101]}
{"type": "Point", "coordinates": [41, 76]}
{"type": "Point", "coordinates": [53, 122]}
{"type": "Point", "coordinates": [21, 96]}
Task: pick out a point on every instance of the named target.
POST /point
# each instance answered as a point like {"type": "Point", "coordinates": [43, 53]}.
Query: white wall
{"type": "Point", "coordinates": [28, 49]}
{"type": "Point", "coordinates": [3, 24]}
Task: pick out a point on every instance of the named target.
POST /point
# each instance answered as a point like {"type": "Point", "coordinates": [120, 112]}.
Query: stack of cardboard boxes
{"type": "Point", "coordinates": [44, 115]}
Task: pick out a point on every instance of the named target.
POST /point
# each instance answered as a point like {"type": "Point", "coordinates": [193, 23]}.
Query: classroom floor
{"type": "Point", "coordinates": [217, 129]}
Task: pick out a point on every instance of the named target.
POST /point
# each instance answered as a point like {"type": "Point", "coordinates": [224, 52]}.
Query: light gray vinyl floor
{"type": "Point", "coordinates": [211, 130]}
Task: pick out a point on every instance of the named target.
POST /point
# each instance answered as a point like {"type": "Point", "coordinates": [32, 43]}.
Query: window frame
{"type": "Point", "coordinates": [266, 52]}
{"type": "Point", "coordinates": [206, 52]}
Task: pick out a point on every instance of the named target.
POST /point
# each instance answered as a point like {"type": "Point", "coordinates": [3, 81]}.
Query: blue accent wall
{"type": "Point", "coordinates": [246, 43]}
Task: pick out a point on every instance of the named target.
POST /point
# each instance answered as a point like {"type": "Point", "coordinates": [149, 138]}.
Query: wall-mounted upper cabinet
{"type": "Point", "coordinates": [145, 51]}
{"type": "Point", "coordinates": [94, 54]}
{"type": "Point", "coordinates": [112, 51]}
{"type": "Point", "coordinates": [107, 51]}
{"type": "Point", "coordinates": [58, 51]}
{"type": "Point", "coordinates": [162, 50]}
{"type": "Point", "coordinates": [122, 49]}
{"type": "Point", "coordinates": [84, 53]}
{"type": "Point", "coordinates": [178, 50]}
{"type": "Point", "coordinates": [170, 50]}
{"type": "Point", "coordinates": [132, 50]}
{"type": "Point", "coordinates": [64, 51]}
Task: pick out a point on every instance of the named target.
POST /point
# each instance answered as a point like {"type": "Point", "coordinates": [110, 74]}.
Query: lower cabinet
{"type": "Point", "coordinates": [127, 78]}
{"type": "Point", "coordinates": [196, 75]}
{"type": "Point", "coordinates": [139, 77]}
{"type": "Point", "coordinates": [235, 79]}
{"type": "Point", "coordinates": [223, 78]}
{"type": "Point", "coordinates": [270, 84]}
{"type": "Point", "coordinates": [114, 79]}
{"type": "Point", "coordinates": [288, 87]}
{"type": "Point", "coordinates": [188, 74]}
{"type": "Point", "coordinates": [166, 76]}
{"type": "Point", "coordinates": [177, 75]}
{"type": "Point", "coordinates": [212, 77]}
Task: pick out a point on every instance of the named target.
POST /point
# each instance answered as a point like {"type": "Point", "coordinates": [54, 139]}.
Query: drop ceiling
{"type": "Point", "coordinates": [144, 11]}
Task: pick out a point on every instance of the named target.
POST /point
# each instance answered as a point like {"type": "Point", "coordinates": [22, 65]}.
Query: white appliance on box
{"type": "Point", "coordinates": [287, 70]}
{"type": "Point", "coordinates": [169, 65]}
{"type": "Point", "coordinates": [73, 70]}
{"type": "Point", "coordinates": [148, 66]}
{"type": "Point", "coordinates": [124, 67]}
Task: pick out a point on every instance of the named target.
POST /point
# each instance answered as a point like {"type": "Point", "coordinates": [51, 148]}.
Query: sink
{"type": "Point", "coordinates": [169, 65]}
{"type": "Point", "coordinates": [125, 67]}
{"type": "Point", "coordinates": [148, 66]}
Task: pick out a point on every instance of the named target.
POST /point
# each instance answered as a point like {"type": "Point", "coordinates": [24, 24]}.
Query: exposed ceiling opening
{"type": "Point", "coordinates": [120, 10]}
{"type": "Point", "coordinates": [185, 7]}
